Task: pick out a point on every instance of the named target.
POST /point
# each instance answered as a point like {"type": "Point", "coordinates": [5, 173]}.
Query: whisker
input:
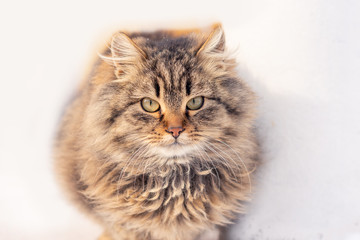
{"type": "Point", "coordinates": [139, 152]}
{"type": "Point", "coordinates": [242, 162]}
{"type": "Point", "coordinates": [224, 160]}
{"type": "Point", "coordinates": [211, 162]}
{"type": "Point", "coordinates": [128, 162]}
{"type": "Point", "coordinates": [202, 159]}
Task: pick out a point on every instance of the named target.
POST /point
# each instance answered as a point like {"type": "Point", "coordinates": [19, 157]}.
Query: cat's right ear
{"type": "Point", "coordinates": [214, 44]}
{"type": "Point", "coordinates": [124, 53]}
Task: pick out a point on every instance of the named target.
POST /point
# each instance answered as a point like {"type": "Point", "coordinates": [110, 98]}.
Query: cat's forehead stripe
{"type": "Point", "coordinates": [157, 87]}
{"type": "Point", "coordinates": [188, 86]}
{"type": "Point", "coordinates": [171, 66]}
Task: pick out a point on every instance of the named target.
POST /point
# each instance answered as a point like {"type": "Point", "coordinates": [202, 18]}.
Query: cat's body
{"type": "Point", "coordinates": [159, 143]}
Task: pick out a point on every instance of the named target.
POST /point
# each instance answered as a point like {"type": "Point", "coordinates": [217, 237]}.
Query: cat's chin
{"type": "Point", "coordinates": [175, 150]}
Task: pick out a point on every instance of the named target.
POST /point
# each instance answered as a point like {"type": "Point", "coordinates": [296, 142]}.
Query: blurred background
{"type": "Point", "coordinates": [302, 58]}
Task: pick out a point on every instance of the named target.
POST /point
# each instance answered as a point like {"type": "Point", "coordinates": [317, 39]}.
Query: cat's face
{"type": "Point", "coordinates": [171, 99]}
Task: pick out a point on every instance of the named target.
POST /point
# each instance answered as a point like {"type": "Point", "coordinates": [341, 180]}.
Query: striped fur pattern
{"type": "Point", "coordinates": [121, 166]}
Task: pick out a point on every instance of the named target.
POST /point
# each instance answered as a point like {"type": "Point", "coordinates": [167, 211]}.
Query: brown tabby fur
{"type": "Point", "coordinates": [118, 163]}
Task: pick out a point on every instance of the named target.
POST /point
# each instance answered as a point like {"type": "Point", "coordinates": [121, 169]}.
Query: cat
{"type": "Point", "coordinates": [159, 141]}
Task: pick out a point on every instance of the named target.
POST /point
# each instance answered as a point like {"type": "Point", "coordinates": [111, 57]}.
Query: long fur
{"type": "Point", "coordinates": [118, 163]}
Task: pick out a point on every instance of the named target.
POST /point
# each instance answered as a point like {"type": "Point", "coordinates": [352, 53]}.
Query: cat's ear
{"type": "Point", "coordinates": [214, 44]}
{"type": "Point", "coordinates": [124, 53]}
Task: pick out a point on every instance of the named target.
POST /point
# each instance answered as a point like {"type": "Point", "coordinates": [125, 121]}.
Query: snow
{"type": "Point", "coordinates": [301, 57]}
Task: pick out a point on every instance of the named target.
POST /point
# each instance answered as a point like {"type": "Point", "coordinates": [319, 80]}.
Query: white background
{"type": "Point", "coordinates": [301, 57]}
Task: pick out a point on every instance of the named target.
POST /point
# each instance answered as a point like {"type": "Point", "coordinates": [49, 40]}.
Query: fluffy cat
{"type": "Point", "coordinates": [159, 142]}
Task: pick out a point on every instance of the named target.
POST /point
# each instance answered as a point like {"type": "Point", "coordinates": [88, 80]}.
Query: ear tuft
{"type": "Point", "coordinates": [215, 43]}
{"type": "Point", "coordinates": [124, 53]}
{"type": "Point", "coordinates": [125, 49]}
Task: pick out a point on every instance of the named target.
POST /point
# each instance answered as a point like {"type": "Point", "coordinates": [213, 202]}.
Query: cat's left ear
{"type": "Point", "coordinates": [214, 44]}
{"type": "Point", "coordinates": [125, 53]}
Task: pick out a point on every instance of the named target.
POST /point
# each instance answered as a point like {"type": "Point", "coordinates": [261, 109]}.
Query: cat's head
{"type": "Point", "coordinates": [168, 97]}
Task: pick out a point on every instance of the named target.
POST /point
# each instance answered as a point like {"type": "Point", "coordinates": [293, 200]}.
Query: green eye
{"type": "Point", "coordinates": [195, 103]}
{"type": "Point", "coordinates": [150, 105]}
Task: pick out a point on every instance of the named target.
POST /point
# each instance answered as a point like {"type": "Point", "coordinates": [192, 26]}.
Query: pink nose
{"type": "Point", "coordinates": [175, 131]}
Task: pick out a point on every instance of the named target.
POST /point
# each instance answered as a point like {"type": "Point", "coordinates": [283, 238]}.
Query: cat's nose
{"type": "Point", "coordinates": [175, 131]}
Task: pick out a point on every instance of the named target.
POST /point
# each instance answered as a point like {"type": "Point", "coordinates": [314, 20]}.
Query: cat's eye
{"type": "Point", "coordinates": [195, 103]}
{"type": "Point", "coordinates": [150, 105]}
